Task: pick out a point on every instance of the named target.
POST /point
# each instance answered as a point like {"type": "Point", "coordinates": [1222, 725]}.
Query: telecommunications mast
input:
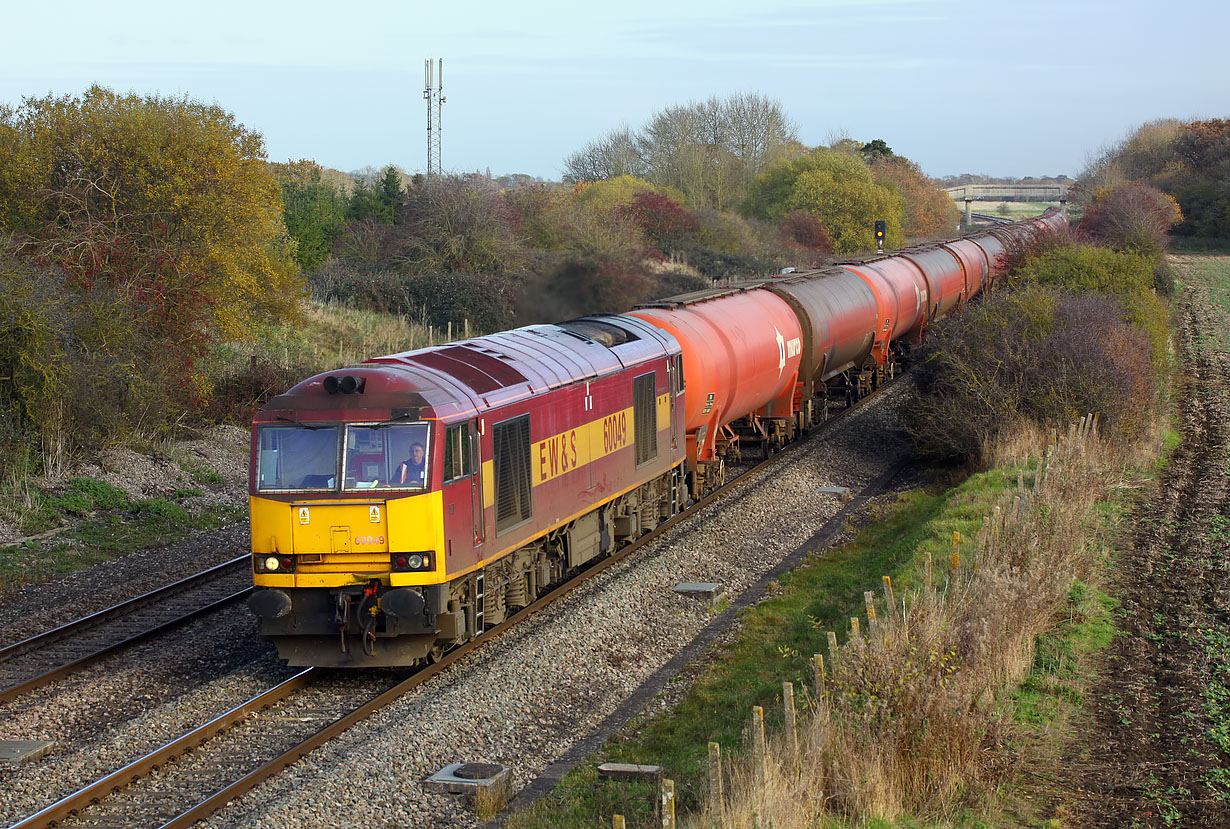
{"type": "Point", "coordinates": [433, 87]}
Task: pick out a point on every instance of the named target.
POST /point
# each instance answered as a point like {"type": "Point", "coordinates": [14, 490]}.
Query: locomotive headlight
{"type": "Point", "coordinates": [271, 563]}
{"type": "Point", "coordinates": [416, 561]}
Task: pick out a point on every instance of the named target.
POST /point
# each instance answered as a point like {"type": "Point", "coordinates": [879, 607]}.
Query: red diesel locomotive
{"type": "Point", "coordinates": [401, 506]}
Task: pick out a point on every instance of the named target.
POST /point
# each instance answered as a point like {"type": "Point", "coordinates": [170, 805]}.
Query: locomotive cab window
{"type": "Point", "coordinates": [296, 458]}
{"type": "Point", "coordinates": [386, 456]}
{"type": "Point", "coordinates": [458, 452]}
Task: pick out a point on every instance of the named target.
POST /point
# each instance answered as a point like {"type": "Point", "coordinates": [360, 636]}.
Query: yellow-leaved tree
{"type": "Point", "coordinates": [838, 189]}
{"type": "Point", "coordinates": [166, 203]}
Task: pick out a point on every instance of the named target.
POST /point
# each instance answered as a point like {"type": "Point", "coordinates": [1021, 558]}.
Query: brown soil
{"type": "Point", "coordinates": [1150, 754]}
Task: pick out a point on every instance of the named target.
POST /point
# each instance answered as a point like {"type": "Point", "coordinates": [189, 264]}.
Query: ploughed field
{"type": "Point", "coordinates": [1155, 749]}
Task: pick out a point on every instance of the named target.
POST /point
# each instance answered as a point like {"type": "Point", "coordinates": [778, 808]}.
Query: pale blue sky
{"type": "Point", "coordinates": [1004, 87]}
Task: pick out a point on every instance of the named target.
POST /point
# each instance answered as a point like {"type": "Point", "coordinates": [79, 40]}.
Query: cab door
{"type": "Point", "coordinates": [463, 507]}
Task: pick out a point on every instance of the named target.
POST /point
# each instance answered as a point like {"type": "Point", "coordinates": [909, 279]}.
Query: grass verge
{"type": "Point", "coordinates": [99, 522]}
{"type": "Point", "coordinates": [1025, 702]}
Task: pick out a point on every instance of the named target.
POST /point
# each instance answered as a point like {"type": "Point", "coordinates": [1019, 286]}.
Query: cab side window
{"type": "Point", "coordinates": [458, 452]}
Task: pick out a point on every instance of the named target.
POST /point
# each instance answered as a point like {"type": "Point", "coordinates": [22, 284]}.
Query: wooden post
{"type": "Point", "coordinates": [717, 798]}
{"type": "Point", "coordinates": [467, 328]}
{"type": "Point", "coordinates": [792, 733]}
{"type": "Point", "coordinates": [617, 822]}
{"type": "Point", "coordinates": [869, 601]}
{"type": "Point", "coordinates": [889, 599]}
{"type": "Point", "coordinates": [448, 338]}
{"type": "Point", "coordinates": [855, 635]}
{"type": "Point", "coordinates": [833, 651]}
{"type": "Point", "coordinates": [668, 804]}
{"type": "Point", "coordinates": [928, 571]}
{"type": "Point", "coordinates": [817, 668]}
{"type": "Point", "coordinates": [758, 742]}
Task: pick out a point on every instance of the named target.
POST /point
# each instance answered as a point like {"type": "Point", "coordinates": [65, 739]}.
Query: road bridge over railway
{"type": "Point", "coordinates": [969, 193]}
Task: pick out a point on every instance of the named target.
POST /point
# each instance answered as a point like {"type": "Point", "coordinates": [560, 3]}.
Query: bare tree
{"type": "Point", "coordinates": [615, 154]}
{"type": "Point", "coordinates": [758, 129]}
{"type": "Point", "coordinates": [709, 150]}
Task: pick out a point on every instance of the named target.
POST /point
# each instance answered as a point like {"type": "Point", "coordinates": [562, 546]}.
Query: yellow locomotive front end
{"type": "Point", "coordinates": [347, 540]}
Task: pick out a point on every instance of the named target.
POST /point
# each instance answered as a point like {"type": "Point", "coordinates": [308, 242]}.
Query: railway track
{"type": "Point", "coordinates": [39, 660]}
{"type": "Point", "coordinates": [198, 773]}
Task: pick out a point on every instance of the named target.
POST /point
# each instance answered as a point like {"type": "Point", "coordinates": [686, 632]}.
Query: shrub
{"type": "Point", "coordinates": [1039, 355]}
{"type": "Point", "coordinates": [661, 218]}
{"type": "Point", "coordinates": [74, 369]}
{"type": "Point", "coordinates": [806, 230]}
{"type": "Point", "coordinates": [457, 225]}
{"type": "Point", "coordinates": [239, 393]}
{"type": "Point", "coordinates": [1132, 217]}
{"type": "Point", "coordinates": [486, 300]}
{"type": "Point", "coordinates": [1125, 276]}
{"type": "Point", "coordinates": [164, 201]}
{"type": "Point", "coordinates": [610, 194]}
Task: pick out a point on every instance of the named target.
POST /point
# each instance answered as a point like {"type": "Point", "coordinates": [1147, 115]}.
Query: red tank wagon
{"type": "Point", "coordinates": [741, 355]}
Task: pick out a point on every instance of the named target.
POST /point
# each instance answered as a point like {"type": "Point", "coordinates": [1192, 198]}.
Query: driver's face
{"type": "Point", "coordinates": [416, 454]}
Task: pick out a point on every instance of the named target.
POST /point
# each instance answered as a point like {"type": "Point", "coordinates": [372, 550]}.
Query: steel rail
{"type": "Point", "coordinates": [94, 621]}
{"type": "Point", "coordinates": [68, 806]}
{"type": "Point", "coordinates": [94, 792]}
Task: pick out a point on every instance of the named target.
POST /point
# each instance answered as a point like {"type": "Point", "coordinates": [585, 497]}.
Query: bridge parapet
{"type": "Point", "coordinates": [970, 192]}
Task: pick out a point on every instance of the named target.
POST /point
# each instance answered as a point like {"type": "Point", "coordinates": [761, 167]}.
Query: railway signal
{"type": "Point", "coordinates": [881, 228]}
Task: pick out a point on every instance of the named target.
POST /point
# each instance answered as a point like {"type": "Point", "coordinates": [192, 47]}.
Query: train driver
{"type": "Point", "coordinates": [410, 471]}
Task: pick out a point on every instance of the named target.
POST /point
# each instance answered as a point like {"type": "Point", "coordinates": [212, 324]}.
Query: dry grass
{"type": "Point", "coordinates": [911, 717]}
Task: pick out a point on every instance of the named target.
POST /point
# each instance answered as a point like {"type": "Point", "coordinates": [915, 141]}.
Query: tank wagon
{"type": "Point", "coordinates": [403, 505]}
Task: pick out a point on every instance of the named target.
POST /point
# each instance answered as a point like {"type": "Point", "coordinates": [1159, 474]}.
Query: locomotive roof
{"type": "Point", "coordinates": [458, 379]}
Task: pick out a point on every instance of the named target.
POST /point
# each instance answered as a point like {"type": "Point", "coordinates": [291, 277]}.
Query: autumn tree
{"type": "Point", "coordinates": [167, 203]}
{"type": "Point", "coordinates": [838, 189]}
{"type": "Point", "coordinates": [929, 211]}
{"type": "Point", "coordinates": [456, 224]}
{"type": "Point", "coordinates": [1189, 161]}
